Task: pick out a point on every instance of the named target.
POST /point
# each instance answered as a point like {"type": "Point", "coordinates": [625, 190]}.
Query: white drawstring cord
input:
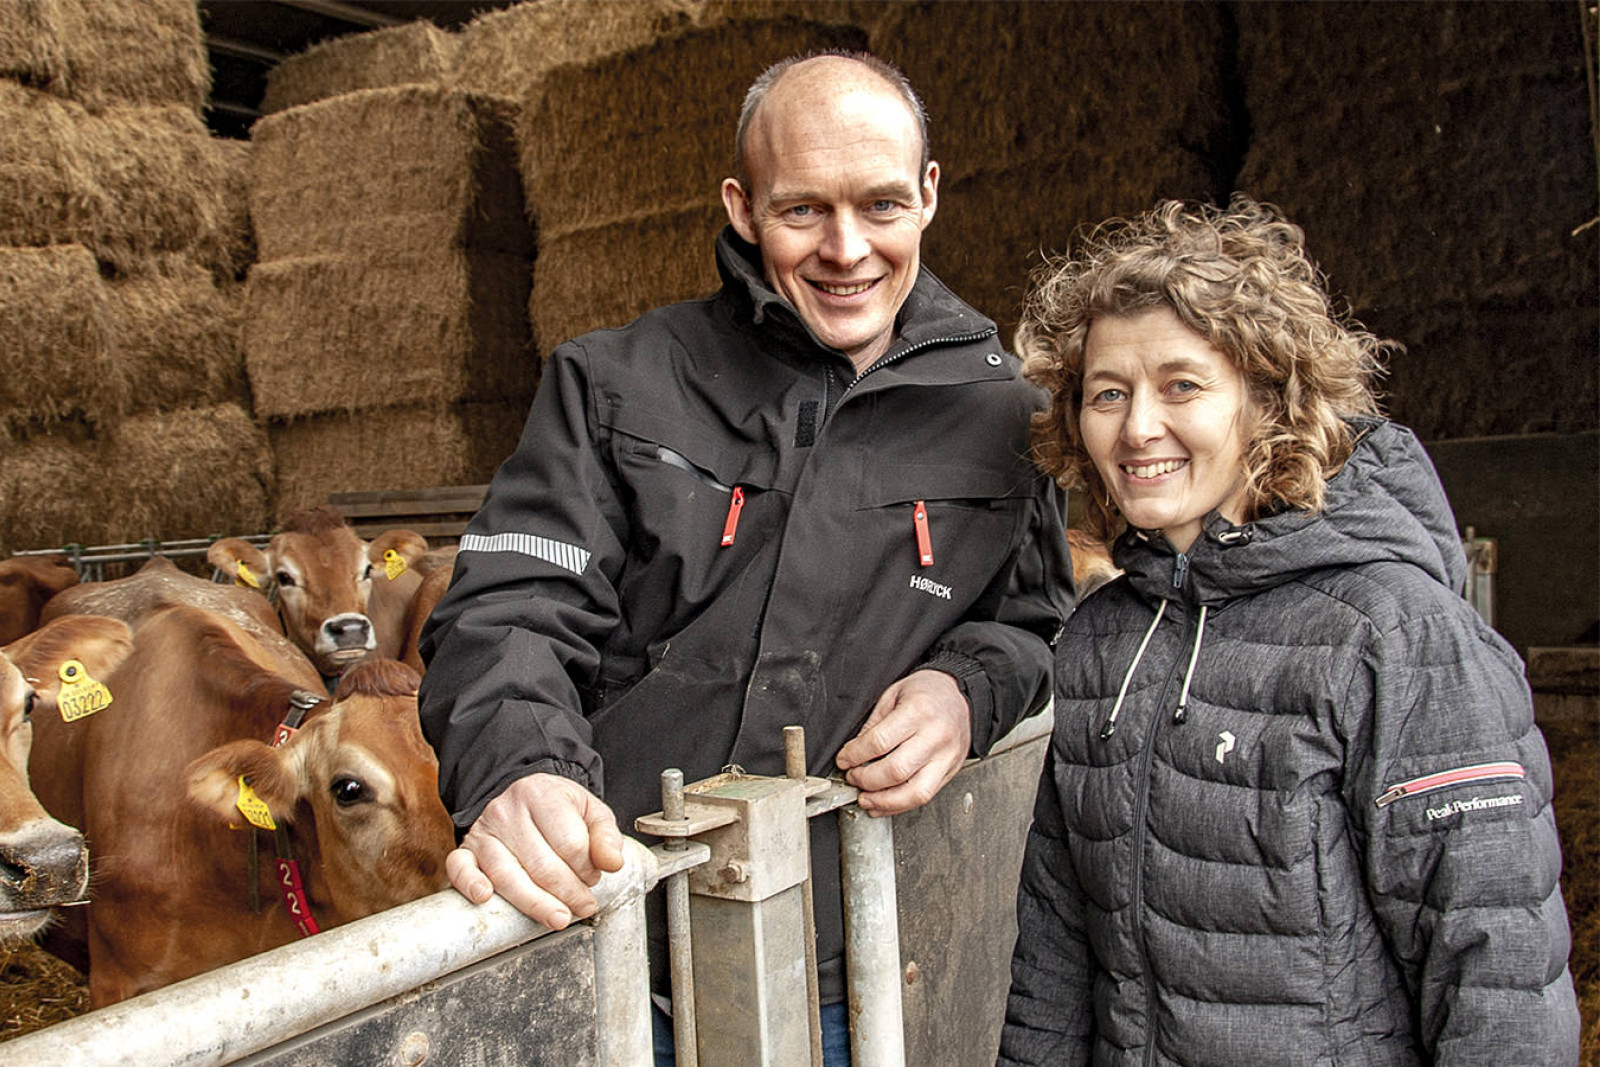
{"type": "Point", "coordinates": [1183, 698]}
{"type": "Point", "coordinates": [1111, 723]}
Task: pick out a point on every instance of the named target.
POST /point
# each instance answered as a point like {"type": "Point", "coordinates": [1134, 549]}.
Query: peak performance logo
{"type": "Point", "coordinates": [932, 588]}
{"type": "Point", "coordinates": [1459, 807]}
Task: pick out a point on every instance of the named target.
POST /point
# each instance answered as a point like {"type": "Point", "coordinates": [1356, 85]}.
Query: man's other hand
{"type": "Point", "coordinates": [915, 740]}
{"type": "Point", "coordinates": [541, 844]}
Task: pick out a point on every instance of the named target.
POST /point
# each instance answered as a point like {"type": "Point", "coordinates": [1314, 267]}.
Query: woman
{"type": "Point", "coordinates": [1296, 809]}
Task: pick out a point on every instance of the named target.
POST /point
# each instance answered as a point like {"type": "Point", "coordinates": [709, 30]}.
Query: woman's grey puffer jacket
{"type": "Point", "coordinates": [1296, 810]}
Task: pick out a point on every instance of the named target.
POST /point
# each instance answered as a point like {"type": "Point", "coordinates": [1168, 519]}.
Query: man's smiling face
{"type": "Point", "coordinates": [836, 204]}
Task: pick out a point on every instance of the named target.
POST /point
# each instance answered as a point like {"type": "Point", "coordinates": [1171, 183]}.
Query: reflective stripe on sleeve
{"type": "Point", "coordinates": [568, 557]}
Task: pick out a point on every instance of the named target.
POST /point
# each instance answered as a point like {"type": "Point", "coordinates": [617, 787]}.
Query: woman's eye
{"type": "Point", "coordinates": [1183, 387]}
{"type": "Point", "coordinates": [348, 791]}
{"type": "Point", "coordinates": [1107, 396]}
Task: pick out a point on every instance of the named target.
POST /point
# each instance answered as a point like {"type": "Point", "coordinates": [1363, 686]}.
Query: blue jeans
{"type": "Point", "coordinates": [835, 1036]}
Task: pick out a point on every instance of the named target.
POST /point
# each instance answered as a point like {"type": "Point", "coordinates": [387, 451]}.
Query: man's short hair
{"type": "Point", "coordinates": [768, 78]}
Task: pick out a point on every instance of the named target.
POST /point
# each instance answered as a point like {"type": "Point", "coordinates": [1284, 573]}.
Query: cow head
{"type": "Point", "coordinates": [26, 582]}
{"type": "Point", "coordinates": [1091, 563]}
{"type": "Point", "coordinates": [394, 555]}
{"type": "Point", "coordinates": [368, 781]}
{"type": "Point", "coordinates": [42, 862]}
{"type": "Point", "coordinates": [322, 576]}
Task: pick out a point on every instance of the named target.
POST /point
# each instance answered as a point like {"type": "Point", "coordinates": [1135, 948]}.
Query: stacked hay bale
{"type": "Point", "coordinates": [626, 198]}
{"type": "Point", "coordinates": [123, 415]}
{"type": "Point", "coordinates": [387, 338]}
{"type": "Point", "coordinates": [1441, 163]}
{"type": "Point", "coordinates": [1049, 120]}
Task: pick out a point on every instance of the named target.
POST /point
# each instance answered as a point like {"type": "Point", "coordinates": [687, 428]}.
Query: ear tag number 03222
{"type": "Point", "coordinates": [80, 694]}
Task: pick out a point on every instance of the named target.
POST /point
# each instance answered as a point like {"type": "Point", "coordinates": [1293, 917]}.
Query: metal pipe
{"type": "Point", "coordinates": [622, 972]}
{"type": "Point", "coordinates": [871, 939]}
{"type": "Point", "coordinates": [256, 1003]}
{"type": "Point", "coordinates": [680, 952]}
{"type": "Point", "coordinates": [794, 766]}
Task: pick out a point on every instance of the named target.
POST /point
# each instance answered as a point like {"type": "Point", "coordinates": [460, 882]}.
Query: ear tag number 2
{"type": "Point", "coordinates": [253, 808]}
{"type": "Point", "coordinates": [80, 694]}
{"type": "Point", "coordinates": [394, 564]}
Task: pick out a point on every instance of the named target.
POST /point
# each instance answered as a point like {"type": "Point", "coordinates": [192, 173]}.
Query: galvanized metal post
{"type": "Point", "coordinates": [794, 767]}
{"type": "Point", "coordinates": [622, 967]}
{"type": "Point", "coordinates": [871, 939]}
{"type": "Point", "coordinates": [680, 953]}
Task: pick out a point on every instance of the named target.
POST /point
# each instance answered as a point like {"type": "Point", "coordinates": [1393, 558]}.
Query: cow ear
{"type": "Point", "coordinates": [270, 775]}
{"type": "Point", "coordinates": [409, 545]}
{"type": "Point", "coordinates": [241, 561]}
{"type": "Point", "coordinates": [99, 643]}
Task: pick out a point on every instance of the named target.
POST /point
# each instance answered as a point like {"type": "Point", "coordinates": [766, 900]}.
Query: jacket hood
{"type": "Point", "coordinates": [932, 311]}
{"type": "Point", "coordinates": [1385, 505]}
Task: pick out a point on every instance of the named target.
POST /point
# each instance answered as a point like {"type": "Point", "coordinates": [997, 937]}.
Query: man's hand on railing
{"type": "Point", "coordinates": [541, 844]}
{"type": "Point", "coordinates": [914, 742]}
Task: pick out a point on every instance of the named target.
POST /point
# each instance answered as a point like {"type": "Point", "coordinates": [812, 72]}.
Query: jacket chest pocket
{"type": "Point", "coordinates": [946, 519]}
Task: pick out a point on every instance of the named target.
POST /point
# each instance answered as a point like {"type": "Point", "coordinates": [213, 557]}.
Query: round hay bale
{"type": "Point", "coordinates": [190, 473]}
{"type": "Point", "coordinates": [55, 338]}
{"type": "Point", "coordinates": [651, 130]}
{"type": "Point", "coordinates": [608, 275]}
{"type": "Point", "coordinates": [407, 446]}
{"type": "Point", "coordinates": [414, 53]}
{"type": "Point", "coordinates": [503, 52]}
{"type": "Point", "coordinates": [175, 338]}
{"type": "Point", "coordinates": [338, 333]}
{"type": "Point", "coordinates": [388, 172]}
{"type": "Point", "coordinates": [129, 183]}
{"type": "Point", "coordinates": [53, 482]}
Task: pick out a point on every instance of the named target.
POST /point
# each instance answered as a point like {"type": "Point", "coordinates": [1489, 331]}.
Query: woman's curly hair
{"type": "Point", "coordinates": [1240, 278]}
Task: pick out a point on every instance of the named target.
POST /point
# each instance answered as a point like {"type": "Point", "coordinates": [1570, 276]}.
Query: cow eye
{"type": "Point", "coordinates": [27, 705]}
{"type": "Point", "coordinates": [348, 791]}
{"type": "Point", "coordinates": [366, 573]}
{"type": "Point", "coordinates": [285, 579]}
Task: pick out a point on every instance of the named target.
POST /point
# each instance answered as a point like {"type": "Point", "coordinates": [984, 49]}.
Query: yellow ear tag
{"type": "Point", "coordinates": [253, 807]}
{"type": "Point", "coordinates": [246, 576]}
{"type": "Point", "coordinates": [80, 694]}
{"type": "Point", "coordinates": [393, 565]}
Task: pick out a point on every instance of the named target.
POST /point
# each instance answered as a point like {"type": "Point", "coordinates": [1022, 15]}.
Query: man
{"type": "Point", "coordinates": [805, 500]}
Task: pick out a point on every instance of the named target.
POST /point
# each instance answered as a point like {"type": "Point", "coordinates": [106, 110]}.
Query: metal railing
{"type": "Point", "coordinates": [91, 561]}
{"type": "Point", "coordinates": [283, 999]}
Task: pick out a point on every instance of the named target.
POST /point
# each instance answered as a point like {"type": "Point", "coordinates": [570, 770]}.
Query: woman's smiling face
{"type": "Point", "coordinates": [1166, 419]}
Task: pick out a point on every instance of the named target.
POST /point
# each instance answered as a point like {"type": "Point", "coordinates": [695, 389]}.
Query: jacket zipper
{"type": "Point", "coordinates": [1147, 759]}
{"type": "Point", "coordinates": [731, 524]}
{"type": "Point", "coordinates": [895, 357]}
{"type": "Point", "coordinates": [1477, 772]}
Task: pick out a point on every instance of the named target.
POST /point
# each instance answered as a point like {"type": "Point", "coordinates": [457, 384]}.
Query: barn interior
{"type": "Point", "coordinates": [257, 252]}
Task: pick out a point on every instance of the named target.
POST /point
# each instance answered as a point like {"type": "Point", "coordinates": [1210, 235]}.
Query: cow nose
{"type": "Point", "coordinates": [43, 864]}
{"type": "Point", "coordinates": [349, 630]}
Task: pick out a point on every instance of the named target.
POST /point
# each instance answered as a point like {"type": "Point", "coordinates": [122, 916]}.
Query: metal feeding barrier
{"type": "Point", "coordinates": [91, 561]}
{"type": "Point", "coordinates": [443, 981]}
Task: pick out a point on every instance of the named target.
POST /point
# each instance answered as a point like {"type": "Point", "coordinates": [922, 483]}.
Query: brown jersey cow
{"type": "Point", "coordinates": [26, 583]}
{"type": "Point", "coordinates": [43, 863]}
{"type": "Point", "coordinates": [166, 783]}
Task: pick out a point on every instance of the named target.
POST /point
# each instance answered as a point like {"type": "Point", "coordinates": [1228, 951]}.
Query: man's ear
{"type": "Point", "coordinates": [737, 202]}
{"type": "Point", "coordinates": [930, 192]}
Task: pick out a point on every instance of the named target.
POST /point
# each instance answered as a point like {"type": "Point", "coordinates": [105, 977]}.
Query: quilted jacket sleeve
{"type": "Point", "coordinates": [1450, 788]}
{"type": "Point", "coordinates": [1050, 1011]}
{"type": "Point", "coordinates": [532, 597]}
{"type": "Point", "coordinates": [1002, 653]}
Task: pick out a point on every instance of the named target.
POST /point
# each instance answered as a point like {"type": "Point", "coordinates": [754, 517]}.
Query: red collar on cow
{"type": "Point", "coordinates": [300, 704]}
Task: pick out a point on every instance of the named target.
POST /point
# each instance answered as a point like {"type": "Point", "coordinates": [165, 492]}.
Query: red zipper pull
{"type": "Point", "coordinates": [919, 518]}
{"type": "Point", "coordinates": [735, 506]}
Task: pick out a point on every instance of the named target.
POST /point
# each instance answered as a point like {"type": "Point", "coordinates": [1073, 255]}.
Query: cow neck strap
{"type": "Point", "coordinates": [295, 898]}
{"type": "Point", "coordinates": [300, 704]}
